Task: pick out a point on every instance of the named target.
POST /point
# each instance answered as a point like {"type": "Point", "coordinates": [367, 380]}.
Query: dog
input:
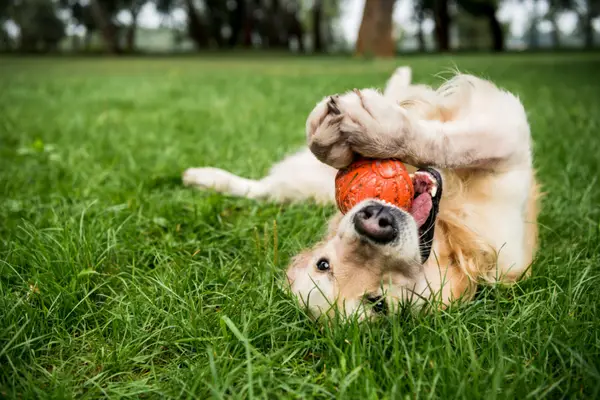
{"type": "Point", "coordinates": [468, 148]}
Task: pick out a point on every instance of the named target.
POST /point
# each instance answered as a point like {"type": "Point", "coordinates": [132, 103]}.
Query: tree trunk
{"type": "Point", "coordinates": [533, 29]}
{"type": "Point", "coordinates": [274, 26]}
{"type": "Point", "coordinates": [496, 31]}
{"type": "Point", "coordinates": [75, 43]}
{"type": "Point", "coordinates": [87, 40]}
{"type": "Point", "coordinates": [248, 25]}
{"type": "Point", "coordinates": [295, 30]}
{"type": "Point", "coordinates": [588, 29]}
{"type": "Point", "coordinates": [420, 33]}
{"type": "Point", "coordinates": [317, 16]}
{"type": "Point", "coordinates": [486, 10]}
{"type": "Point", "coordinates": [131, 29]}
{"type": "Point", "coordinates": [131, 38]}
{"type": "Point", "coordinates": [196, 28]}
{"type": "Point", "coordinates": [5, 42]}
{"type": "Point", "coordinates": [385, 45]}
{"type": "Point", "coordinates": [442, 24]}
{"type": "Point", "coordinates": [237, 21]}
{"type": "Point", "coordinates": [328, 36]}
{"type": "Point", "coordinates": [365, 28]}
{"type": "Point", "coordinates": [215, 18]}
{"type": "Point", "coordinates": [375, 32]}
{"type": "Point", "coordinates": [555, 30]}
{"type": "Point", "coordinates": [27, 43]}
{"type": "Point", "coordinates": [107, 28]}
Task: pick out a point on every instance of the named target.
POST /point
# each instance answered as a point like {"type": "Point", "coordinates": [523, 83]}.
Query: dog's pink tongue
{"type": "Point", "coordinates": [421, 207]}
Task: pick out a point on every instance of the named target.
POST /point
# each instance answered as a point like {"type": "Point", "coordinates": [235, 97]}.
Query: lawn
{"type": "Point", "coordinates": [117, 281]}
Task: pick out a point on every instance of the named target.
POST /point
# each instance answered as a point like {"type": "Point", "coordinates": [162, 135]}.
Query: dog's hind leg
{"type": "Point", "coordinates": [224, 182]}
{"type": "Point", "coordinates": [298, 177]}
{"type": "Point", "coordinates": [398, 83]}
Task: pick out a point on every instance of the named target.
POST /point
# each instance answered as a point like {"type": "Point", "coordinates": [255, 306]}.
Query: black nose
{"type": "Point", "coordinates": [377, 223]}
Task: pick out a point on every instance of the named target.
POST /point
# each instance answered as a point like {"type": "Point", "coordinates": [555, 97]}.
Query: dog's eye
{"type": "Point", "coordinates": [379, 304]}
{"type": "Point", "coordinates": [323, 265]}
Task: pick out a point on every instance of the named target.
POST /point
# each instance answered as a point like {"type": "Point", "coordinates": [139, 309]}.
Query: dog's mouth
{"type": "Point", "coordinates": [428, 193]}
{"type": "Point", "coordinates": [426, 186]}
{"type": "Point", "coordinates": [380, 222]}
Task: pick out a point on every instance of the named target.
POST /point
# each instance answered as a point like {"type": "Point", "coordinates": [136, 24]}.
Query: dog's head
{"type": "Point", "coordinates": [371, 257]}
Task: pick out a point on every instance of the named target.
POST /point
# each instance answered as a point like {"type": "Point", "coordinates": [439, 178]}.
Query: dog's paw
{"type": "Point", "coordinates": [207, 178]}
{"type": "Point", "coordinates": [359, 122]}
{"type": "Point", "coordinates": [325, 138]}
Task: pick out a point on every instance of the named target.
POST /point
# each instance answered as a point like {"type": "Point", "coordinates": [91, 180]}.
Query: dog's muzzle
{"type": "Point", "coordinates": [378, 222]}
{"type": "Point", "coordinates": [381, 223]}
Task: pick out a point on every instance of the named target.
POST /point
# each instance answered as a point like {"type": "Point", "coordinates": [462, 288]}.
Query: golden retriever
{"type": "Point", "coordinates": [467, 145]}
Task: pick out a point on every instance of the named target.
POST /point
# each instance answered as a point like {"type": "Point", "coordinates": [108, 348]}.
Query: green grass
{"type": "Point", "coordinates": [116, 281]}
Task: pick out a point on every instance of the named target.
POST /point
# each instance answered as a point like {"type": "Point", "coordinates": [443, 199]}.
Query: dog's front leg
{"type": "Point", "coordinates": [360, 122]}
{"type": "Point", "coordinates": [490, 129]}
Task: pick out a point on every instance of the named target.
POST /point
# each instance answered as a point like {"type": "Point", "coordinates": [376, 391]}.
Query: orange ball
{"type": "Point", "coordinates": [367, 179]}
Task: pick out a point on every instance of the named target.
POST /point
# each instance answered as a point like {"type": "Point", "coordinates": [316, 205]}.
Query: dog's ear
{"type": "Point", "coordinates": [333, 225]}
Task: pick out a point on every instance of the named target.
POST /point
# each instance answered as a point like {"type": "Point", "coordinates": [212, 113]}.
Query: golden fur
{"type": "Point", "coordinates": [476, 134]}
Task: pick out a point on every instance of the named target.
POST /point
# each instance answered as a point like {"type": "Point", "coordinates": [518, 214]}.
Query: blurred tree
{"type": "Point", "coordinates": [554, 9]}
{"type": "Point", "coordinates": [100, 16]}
{"type": "Point", "coordinates": [295, 30]}
{"type": "Point", "coordinates": [317, 19]}
{"type": "Point", "coordinates": [375, 35]}
{"type": "Point", "coordinates": [103, 12]}
{"type": "Point", "coordinates": [134, 7]}
{"type": "Point", "coordinates": [230, 23]}
{"type": "Point", "coordinates": [249, 22]}
{"type": "Point", "coordinates": [281, 24]}
{"type": "Point", "coordinates": [197, 27]}
{"type": "Point", "coordinates": [5, 42]}
{"type": "Point", "coordinates": [587, 10]}
{"type": "Point", "coordinates": [80, 16]}
{"type": "Point", "coordinates": [273, 23]}
{"type": "Point", "coordinates": [472, 32]}
{"type": "Point", "coordinates": [532, 31]}
{"type": "Point", "coordinates": [38, 22]}
{"type": "Point", "coordinates": [5, 10]}
{"type": "Point", "coordinates": [237, 19]}
{"type": "Point", "coordinates": [486, 9]}
{"type": "Point", "coordinates": [421, 9]}
{"type": "Point", "coordinates": [439, 11]}
{"type": "Point", "coordinates": [442, 20]}
{"type": "Point", "coordinates": [97, 15]}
